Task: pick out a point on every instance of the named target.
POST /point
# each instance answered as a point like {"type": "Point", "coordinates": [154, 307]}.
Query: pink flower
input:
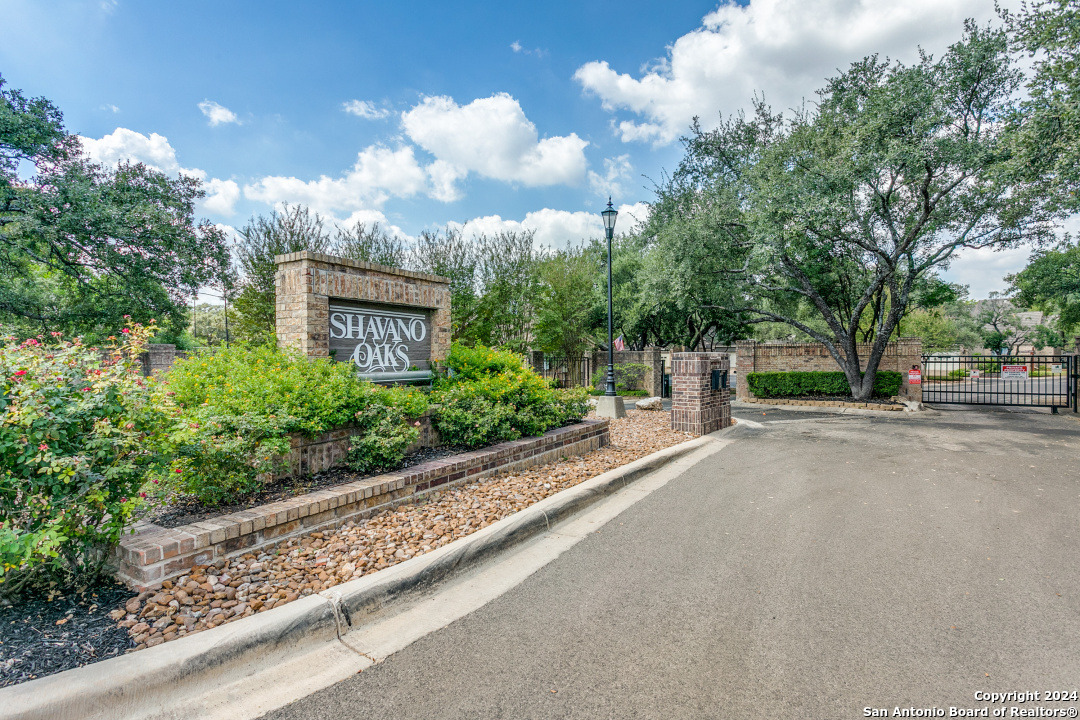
{"type": "Point", "coordinates": [142, 495]}
{"type": "Point", "coordinates": [43, 447]}
{"type": "Point", "coordinates": [125, 331]}
{"type": "Point", "coordinates": [123, 500]}
{"type": "Point", "coordinates": [86, 389]}
{"type": "Point", "coordinates": [20, 373]}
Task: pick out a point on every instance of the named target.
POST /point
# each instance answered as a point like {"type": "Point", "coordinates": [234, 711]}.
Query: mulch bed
{"type": "Point", "coordinates": [185, 510]}
{"type": "Point", "coordinates": [46, 635]}
{"type": "Point", "coordinates": [833, 398]}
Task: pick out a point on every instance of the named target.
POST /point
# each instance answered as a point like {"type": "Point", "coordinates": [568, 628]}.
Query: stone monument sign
{"type": "Point", "coordinates": [380, 319]}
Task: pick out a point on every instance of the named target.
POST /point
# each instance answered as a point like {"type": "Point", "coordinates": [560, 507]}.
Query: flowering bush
{"type": "Point", "coordinates": [489, 396]}
{"type": "Point", "coordinates": [75, 426]}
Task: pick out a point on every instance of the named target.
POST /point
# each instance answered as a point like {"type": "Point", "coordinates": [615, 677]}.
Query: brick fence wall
{"type": "Point", "coordinates": [695, 407]}
{"type": "Point", "coordinates": [901, 355]}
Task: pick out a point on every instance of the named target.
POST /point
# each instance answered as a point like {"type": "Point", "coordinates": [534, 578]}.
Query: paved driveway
{"type": "Point", "coordinates": [813, 569]}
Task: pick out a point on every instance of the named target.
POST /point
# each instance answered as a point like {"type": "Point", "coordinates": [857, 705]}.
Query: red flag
{"type": "Point", "coordinates": [619, 344]}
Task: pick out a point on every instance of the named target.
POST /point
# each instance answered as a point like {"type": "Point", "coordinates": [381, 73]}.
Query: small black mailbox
{"type": "Point", "coordinates": [719, 380]}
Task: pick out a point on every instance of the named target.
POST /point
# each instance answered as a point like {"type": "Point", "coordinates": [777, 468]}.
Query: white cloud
{"type": "Point", "coordinates": [111, 108]}
{"type": "Point", "coordinates": [365, 109]}
{"type": "Point", "coordinates": [152, 150]}
{"type": "Point", "coordinates": [616, 170]}
{"type": "Point", "coordinates": [556, 228]}
{"type": "Point", "coordinates": [519, 48]}
{"type": "Point", "coordinates": [782, 48]}
{"type": "Point", "coordinates": [984, 270]}
{"type": "Point", "coordinates": [221, 196]}
{"type": "Point", "coordinates": [218, 114]}
{"type": "Point", "coordinates": [492, 136]}
{"type": "Point", "coordinates": [378, 174]}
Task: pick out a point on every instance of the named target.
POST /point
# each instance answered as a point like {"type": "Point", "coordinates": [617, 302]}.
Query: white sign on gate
{"type": "Point", "coordinates": [1014, 372]}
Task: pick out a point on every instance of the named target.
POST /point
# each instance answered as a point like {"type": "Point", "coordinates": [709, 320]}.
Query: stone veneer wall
{"type": "Point", "coordinates": [154, 553]}
{"type": "Point", "coordinates": [901, 355]}
{"type": "Point", "coordinates": [306, 281]}
{"type": "Point", "coordinates": [695, 407]}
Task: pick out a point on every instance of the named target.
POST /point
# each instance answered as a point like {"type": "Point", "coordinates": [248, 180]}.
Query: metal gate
{"type": "Point", "coordinates": [1023, 381]}
{"type": "Point", "coordinates": [568, 371]}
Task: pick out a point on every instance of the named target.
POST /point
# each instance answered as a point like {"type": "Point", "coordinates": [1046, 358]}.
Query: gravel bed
{"type": "Point", "coordinates": [184, 510]}
{"type": "Point", "coordinates": [53, 632]}
{"type": "Point", "coordinates": [228, 590]}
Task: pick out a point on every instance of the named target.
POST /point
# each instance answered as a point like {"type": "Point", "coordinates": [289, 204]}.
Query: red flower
{"type": "Point", "coordinates": [125, 330]}
{"type": "Point", "coordinates": [179, 470]}
{"type": "Point", "coordinates": [142, 495]}
{"type": "Point", "coordinates": [86, 389]}
{"type": "Point", "coordinates": [42, 447]}
{"type": "Point", "coordinates": [20, 373]}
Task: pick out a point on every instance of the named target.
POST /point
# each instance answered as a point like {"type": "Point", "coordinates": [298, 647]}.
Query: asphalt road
{"type": "Point", "coordinates": [809, 570]}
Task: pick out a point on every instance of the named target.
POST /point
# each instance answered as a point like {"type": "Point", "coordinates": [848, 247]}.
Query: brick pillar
{"type": "Point", "coordinates": [696, 408]}
{"type": "Point", "coordinates": [745, 357]}
{"type": "Point", "coordinates": [909, 357]}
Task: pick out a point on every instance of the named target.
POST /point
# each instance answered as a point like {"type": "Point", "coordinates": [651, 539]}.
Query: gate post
{"type": "Point", "coordinates": [696, 406]}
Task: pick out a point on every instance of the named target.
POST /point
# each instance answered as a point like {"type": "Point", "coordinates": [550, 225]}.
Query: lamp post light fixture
{"type": "Point", "coordinates": [610, 404]}
{"type": "Point", "coordinates": [609, 216]}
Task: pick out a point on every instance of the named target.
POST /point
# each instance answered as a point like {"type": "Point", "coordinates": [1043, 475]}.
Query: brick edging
{"type": "Point", "coordinates": [154, 554]}
{"type": "Point", "coordinates": [823, 403]}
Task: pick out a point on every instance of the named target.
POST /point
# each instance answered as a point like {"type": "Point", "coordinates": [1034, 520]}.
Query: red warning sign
{"type": "Point", "coordinates": [914, 377]}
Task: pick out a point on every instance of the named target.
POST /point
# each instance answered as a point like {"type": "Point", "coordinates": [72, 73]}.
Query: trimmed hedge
{"type": "Point", "coordinates": [780, 384]}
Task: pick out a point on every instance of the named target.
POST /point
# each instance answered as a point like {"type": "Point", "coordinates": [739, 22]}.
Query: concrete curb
{"type": "Point", "coordinates": [159, 682]}
{"type": "Point", "coordinates": [832, 410]}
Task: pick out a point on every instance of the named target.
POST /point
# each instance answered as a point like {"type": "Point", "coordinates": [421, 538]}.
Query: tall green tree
{"type": "Point", "coordinates": [83, 245]}
{"type": "Point", "coordinates": [449, 254]}
{"type": "Point", "coordinates": [565, 298]}
{"type": "Point", "coordinates": [1048, 147]}
{"type": "Point", "coordinates": [849, 202]}
{"type": "Point", "coordinates": [371, 243]}
{"type": "Point", "coordinates": [294, 229]}
{"type": "Point", "coordinates": [506, 271]}
{"type": "Point", "coordinates": [1051, 283]}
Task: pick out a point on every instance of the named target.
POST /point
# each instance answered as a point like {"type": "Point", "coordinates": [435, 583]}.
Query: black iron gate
{"type": "Point", "coordinates": [1024, 381]}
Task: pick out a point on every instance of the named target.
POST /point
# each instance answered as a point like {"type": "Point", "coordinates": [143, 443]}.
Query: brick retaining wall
{"type": "Point", "coordinates": [154, 554]}
{"type": "Point", "coordinates": [309, 455]}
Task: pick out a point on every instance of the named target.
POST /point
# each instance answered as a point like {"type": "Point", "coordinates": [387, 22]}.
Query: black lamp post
{"type": "Point", "coordinates": [609, 228]}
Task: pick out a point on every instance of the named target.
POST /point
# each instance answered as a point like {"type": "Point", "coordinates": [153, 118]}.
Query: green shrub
{"type": "Point", "coordinates": [217, 458]}
{"type": "Point", "coordinates": [317, 394]}
{"type": "Point", "coordinates": [779, 384]}
{"type": "Point", "coordinates": [238, 406]}
{"type": "Point", "coordinates": [387, 435]}
{"type": "Point", "coordinates": [77, 431]}
{"type": "Point", "coordinates": [489, 396]}
{"type": "Point", "coordinates": [629, 377]}
{"type": "Point", "coordinates": [958, 374]}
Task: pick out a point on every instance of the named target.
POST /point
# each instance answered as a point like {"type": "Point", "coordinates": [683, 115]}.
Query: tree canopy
{"type": "Point", "coordinates": [83, 245]}
{"type": "Point", "coordinates": [845, 205]}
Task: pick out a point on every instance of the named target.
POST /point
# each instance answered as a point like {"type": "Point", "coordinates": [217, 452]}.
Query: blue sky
{"type": "Point", "coordinates": [487, 115]}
